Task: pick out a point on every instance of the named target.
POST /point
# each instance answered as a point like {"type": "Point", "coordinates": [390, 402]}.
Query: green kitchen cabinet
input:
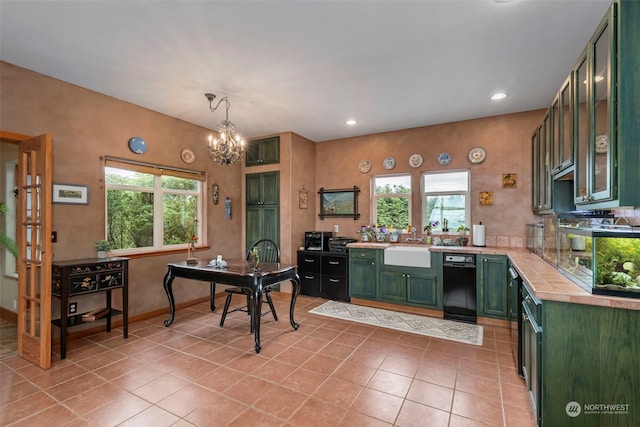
{"type": "Point", "coordinates": [493, 286]}
{"type": "Point", "coordinates": [409, 286]}
{"type": "Point", "coordinates": [263, 151]}
{"type": "Point", "coordinates": [531, 344]}
{"type": "Point", "coordinates": [562, 125]}
{"type": "Point", "coordinates": [541, 167]}
{"type": "Point", "coordinates": [363, 272]}
{"type": "Point", "coordinates": [589, 359]}
{"type": "Point", "coordinates": [263, 207]}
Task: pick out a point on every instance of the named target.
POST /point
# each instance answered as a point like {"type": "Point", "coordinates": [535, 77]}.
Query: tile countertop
{"type": "Point", "coordinates": [546, 282]}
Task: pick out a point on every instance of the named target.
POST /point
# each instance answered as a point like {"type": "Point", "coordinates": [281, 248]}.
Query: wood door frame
{"type": "Point", "coordinates": [41, 354]}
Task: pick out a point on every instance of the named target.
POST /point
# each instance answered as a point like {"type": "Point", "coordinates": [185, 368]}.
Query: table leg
{"type": "Point", "coordinates": [213, 296]}
{"type": "Point", "coordinates": [256, 308]}
{"type": "Point", "coordinates": [168, 279]}
{"type": "Point", "coordinates": [294, 297]}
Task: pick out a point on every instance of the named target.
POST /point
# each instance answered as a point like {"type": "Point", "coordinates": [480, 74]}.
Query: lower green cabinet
{"type": "Point", "coordinates": [493, 286]}
{"type": "Point", "coordinates": [409, 286]}
{"type": "Point", "coordinates": [363, 272]}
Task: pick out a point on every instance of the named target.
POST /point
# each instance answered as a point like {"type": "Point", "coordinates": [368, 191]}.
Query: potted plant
{"type": "Point", "coordinates": [102, 246]}
{"type": "Point", "coordinates": [462, 229]}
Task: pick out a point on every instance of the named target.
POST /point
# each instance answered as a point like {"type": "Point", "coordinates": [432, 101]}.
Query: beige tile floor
{"type": "Point", "coordinates": [328, 373]}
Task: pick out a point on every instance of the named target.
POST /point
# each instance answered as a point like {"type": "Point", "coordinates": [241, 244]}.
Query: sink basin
{"type": "Point", "coordinates": [408, 256]}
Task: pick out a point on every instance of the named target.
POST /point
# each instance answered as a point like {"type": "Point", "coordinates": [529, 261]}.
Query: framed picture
{"type": "Point", "coordinates": [486, 198]}
{"type": "Point", "coordinates": [509, 180]}
{"type": "Point", "coordinates": [71, 194]}
{"type": "Point", "coordinates": [339, 203]}
{"type": "Point", "coordinates": [303, 199]}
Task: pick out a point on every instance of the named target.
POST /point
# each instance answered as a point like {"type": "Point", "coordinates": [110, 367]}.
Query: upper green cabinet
{"type": "Point", "coordinates": [594, 120]}
{"type": "Point", "coordinates": [562, 123]}
{"type": "Point", "coordinates": [263, 151]}
{"type": "Point", "coordinates": [541, 143]}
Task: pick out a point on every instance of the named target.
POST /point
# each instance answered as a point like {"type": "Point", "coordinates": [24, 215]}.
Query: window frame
{"type": "Point", "coordinates": [158, 171]}
{"type": "Point", "coordinates": [374, 197]}
{"type": "Point", "coordinates": [425, 194]}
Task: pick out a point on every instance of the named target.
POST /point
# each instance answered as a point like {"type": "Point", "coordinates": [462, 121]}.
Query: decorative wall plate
{"type": "Point", "coordinates": [444, 158]}
{"type": "Point", "coordinates": [415, 160]}
{"type": "Point", "coordinates": [364, 166]}
{"type": "Point", "coordinates": [187, 156]}
{"type": "Point", "coordinates": [602, 143]}
{"type": "Point", "coordinates": [477, 155]}
{"type": "Point", "coordinates": [137, 145]}
{"type": "Point", "coordinates": [389, 163]}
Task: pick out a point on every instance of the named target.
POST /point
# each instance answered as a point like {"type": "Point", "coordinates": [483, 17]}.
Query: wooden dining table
{"type": "Point", "coordinates": [241, 273]}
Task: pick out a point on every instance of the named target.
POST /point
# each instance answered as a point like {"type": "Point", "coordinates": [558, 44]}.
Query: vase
{"type": "Point", "coordinates": [102, 254]}
{"type": "Point", "coordinates": [365, 237]}
{"type": "Point", "coordinates": [381, 237]}
{"type": "Point", "coordinates": [394, 237]}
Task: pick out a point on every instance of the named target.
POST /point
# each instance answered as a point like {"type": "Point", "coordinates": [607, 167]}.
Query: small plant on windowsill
{"type": "Point", "coordinates": [102, 247]}
{"type": "Point", "coordinates": [431, 227]}
{"type": "Point", "coordinates": [462, 229]}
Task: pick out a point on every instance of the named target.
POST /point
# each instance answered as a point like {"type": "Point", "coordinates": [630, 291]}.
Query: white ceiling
{"type": "Point", "coordinates": [307, 66]}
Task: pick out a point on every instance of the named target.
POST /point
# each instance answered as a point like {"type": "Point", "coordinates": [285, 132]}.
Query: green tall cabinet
{"type": "Point", "coordinates": [263, 206]}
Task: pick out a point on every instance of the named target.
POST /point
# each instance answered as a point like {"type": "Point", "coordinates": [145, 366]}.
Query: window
{"type": "Point", "coordinates": [152, 208]}
{"type": "Point", "coordinates": [446, 195]}
{"type": "Point", "coordinates": [391, 200]}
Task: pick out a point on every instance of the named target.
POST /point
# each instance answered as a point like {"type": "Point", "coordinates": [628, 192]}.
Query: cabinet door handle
{"type": "Point", "coordinates": [334, 262]}
{"type": "Point", "coordinates": [334, 280]}
{"type": "Point", "coordinates": [527, 298]}
{"type": "Point", "coordinates": [373, 263]}
{"type": "Point", "coordinates": [525, 318]}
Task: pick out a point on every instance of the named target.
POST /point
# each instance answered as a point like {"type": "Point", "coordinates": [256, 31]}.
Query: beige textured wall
{"type": "Point", "coordinates": [506, 139]}
{"type": "Point", "coordinates": [86, 125]}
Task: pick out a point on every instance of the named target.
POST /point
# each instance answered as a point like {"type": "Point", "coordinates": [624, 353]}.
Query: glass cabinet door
{"type": "Point", "coordinates": [601, 86]}
{"type": "Point", "coordinates": [594, 130]}
{"type": "Point", "coordinates": [581, 130]}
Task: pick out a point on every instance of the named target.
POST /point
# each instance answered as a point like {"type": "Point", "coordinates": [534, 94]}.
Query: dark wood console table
{"type": "Point", "coordinates": [238, 273]}
{"type": "Point", "coordinates": [86, 276]}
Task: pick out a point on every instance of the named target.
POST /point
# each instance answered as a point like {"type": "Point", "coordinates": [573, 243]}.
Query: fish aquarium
{"type": "Point", "coordinates": [535, 235]}
{"type": "Point", "coordinates": [602, 258]}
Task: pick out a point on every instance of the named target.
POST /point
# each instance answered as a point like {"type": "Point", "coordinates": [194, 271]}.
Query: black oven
{"type": "Point", "coordinates": [317, 240]}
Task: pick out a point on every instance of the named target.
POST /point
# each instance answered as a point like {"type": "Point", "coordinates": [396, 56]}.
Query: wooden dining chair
{"type": "Point", "coordinates": [268, 251]}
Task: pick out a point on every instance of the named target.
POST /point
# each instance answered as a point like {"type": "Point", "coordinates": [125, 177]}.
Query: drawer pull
{"type": "Point", "coordinates": [527, 299]}
{"type": "Point", "coordinates": [309, 277]}
{"type": "Point", "coordinates": [334, 280]}
{"type": "Point", "coordinates": [309, 260]}
{"type": "Point", "coordinates": [334, 262]}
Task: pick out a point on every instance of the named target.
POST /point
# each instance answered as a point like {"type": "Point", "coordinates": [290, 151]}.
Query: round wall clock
{"type": "Point", "coordinates": [187, 156]}
{"type": "Point", "coordinates": [389, 163]}
{"type": "Point", "coordinates": [602, 143]}
{"type": "Point", "coordinates": [444, 158]}
{"type": "Point", "coordinates": [415, 160]}
{"type": "Point", "coordinates": [477, 155]}
{"type": "Point", "coordinates": [364, 166]}
{"type": "Point", "coordinates": [137, 145]}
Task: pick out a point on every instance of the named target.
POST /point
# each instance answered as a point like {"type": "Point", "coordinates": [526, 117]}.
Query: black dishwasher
{"type": "Point", "coordinates": [459, 287]}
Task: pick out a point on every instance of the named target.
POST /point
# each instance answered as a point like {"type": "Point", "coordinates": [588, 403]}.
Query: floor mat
{"type": "Point", "coordinates": [413, 323]}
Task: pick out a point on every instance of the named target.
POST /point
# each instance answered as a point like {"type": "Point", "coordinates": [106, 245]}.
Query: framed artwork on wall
{"type": "Point", "coordinates": [71, 194]}
{"type": "Point", "coordinates": [486, 198]}
{"type": "Point", "coordinates": [339, 203]}
{"type": "Point", "coordinates": [509, 180]}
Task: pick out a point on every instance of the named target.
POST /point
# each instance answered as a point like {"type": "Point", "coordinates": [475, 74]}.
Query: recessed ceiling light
{"type": "Point", "coordinates": [351, 122]}
{"type": "Point", "coordinates": [498, 96]}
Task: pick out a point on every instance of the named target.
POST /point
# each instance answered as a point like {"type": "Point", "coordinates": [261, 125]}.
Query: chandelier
{"type": "Point", "coordinates": [228, 147]}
